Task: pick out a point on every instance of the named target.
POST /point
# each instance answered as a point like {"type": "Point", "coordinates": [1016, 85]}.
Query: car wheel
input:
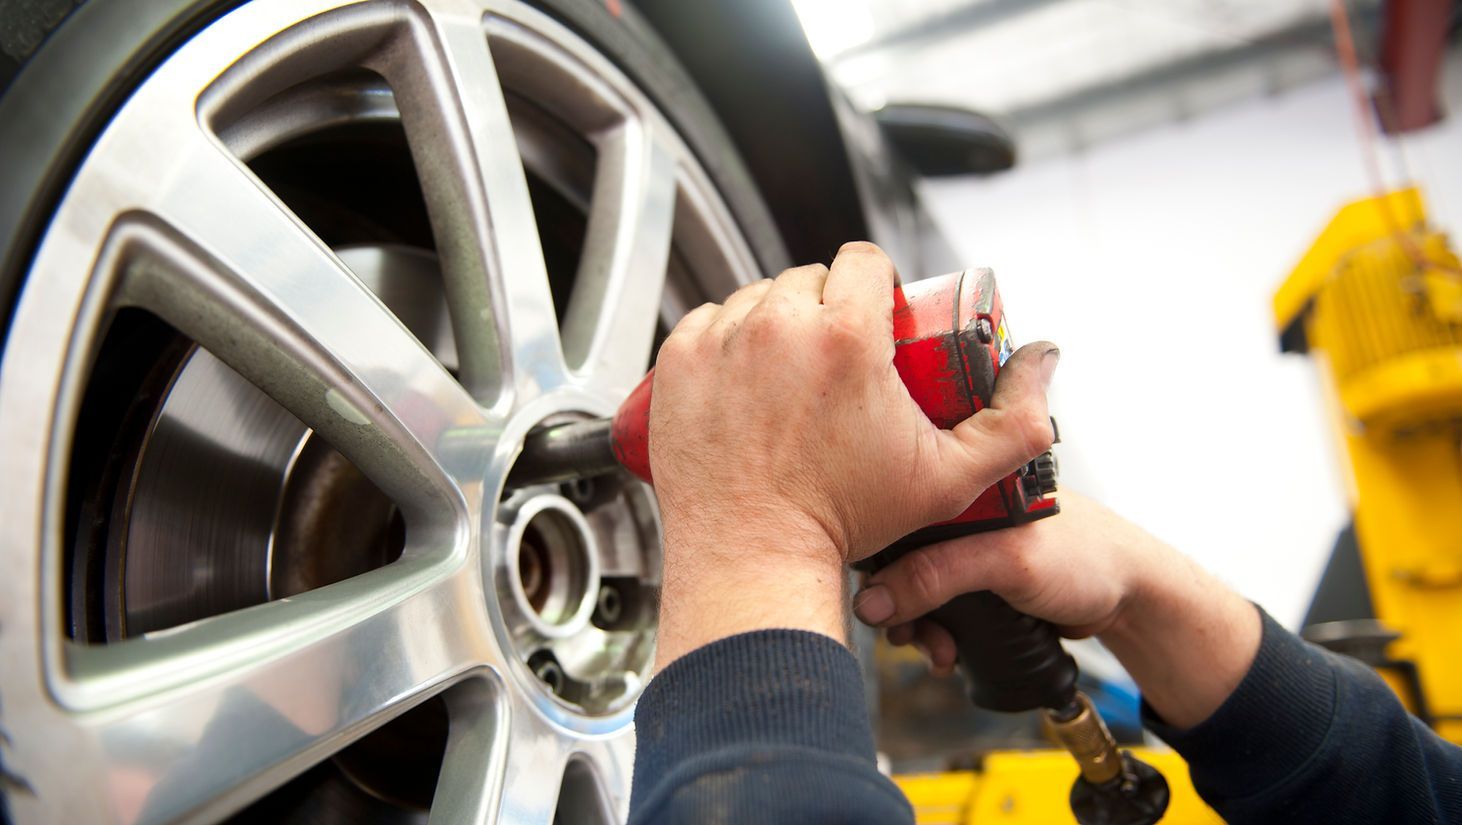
{"type": "Point", "coordinates": [277, 345]}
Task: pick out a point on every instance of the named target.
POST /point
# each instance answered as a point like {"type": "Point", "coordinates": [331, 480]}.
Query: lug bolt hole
{"type": "Point", "coordinates": [580, 491]}
{"type": "Point", "coordinates": [610, 607]}
{"type": "Point", "coordinates": [548, 671]}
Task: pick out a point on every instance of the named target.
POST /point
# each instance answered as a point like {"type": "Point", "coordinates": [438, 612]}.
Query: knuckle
{"type": "Point", "coordinates": [926, 580]}
{"type": "Point", "coordinates": [1029, 429]}
{"type": "Point", "coordinates": [806, 269]}
{"type": "Point", "coordinates": [1034, 427]}
{"type": "Point", "coordinates": [751, 290]}
{"type": "Point", "coordinates": [772, 319]}
{"type": "Point", "coordinates": [691, 319]}
{"type": "Point", "coordinates": [766, 320]}
{"type": "Point", "coordinates": [843, 331]}
{"type": "Point", "coordinates": [775, 305]}
{"type": "Point", "coordinates": [777, 309]}
{"type": "Point", "coordinates": [684, 328]}
{"type": "Point", "coordinates": [687, 336]}
{"type": "Point", "coordinates": [676, 349]}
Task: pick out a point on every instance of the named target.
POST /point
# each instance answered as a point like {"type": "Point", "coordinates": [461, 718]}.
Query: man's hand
{"type": "Point", "coordinates": [1184, 637]}
{"type": "Point", "coordinates": [784, 446]}
{"type": "Point", "coordinates": [1078, 570]}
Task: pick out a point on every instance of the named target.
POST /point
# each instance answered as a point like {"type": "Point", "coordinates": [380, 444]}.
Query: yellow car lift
{"type": "Point", "coordinates": [1377, 301]}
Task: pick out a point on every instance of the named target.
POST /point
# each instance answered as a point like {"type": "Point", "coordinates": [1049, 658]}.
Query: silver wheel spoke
{"type": "Point", "coordinates": [610, 324]}
{"type": "Point", "coordinates": [470, 786]}
{"type": "Point", "coordinates": [535, 761]}
{"type": "Point", "coordinates": [607, 762]}
{"type": "Point", "coordinates": [230, 267]}
{"type": "Point", "coordinates": [202, 720]}
{"type": "Point", "coordinates": [457, 122]}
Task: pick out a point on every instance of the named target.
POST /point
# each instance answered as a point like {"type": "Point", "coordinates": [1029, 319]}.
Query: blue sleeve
{"type": "Point", "coordinates": [766, 727]}
{"type": "Point", "coordinates": [1310, 736]}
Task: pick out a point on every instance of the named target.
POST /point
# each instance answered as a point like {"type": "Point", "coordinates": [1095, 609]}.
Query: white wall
{"type": "Point", "coordinates": [1151, 261]}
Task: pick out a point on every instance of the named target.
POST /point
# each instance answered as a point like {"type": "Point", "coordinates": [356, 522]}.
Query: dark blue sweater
{"type": "Point", "coordinates": [770, 727]}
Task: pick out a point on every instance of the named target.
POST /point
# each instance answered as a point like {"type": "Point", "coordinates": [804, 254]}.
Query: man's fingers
{"type": "Point", "coordinates": [742, 300]}
{"type": "Point", "coordinates": [1015, 428]}
{"type": "Point", "coordinates": [927, 578]}
{"type": "Point", "coordinates": [861, 282]}
{"type": "Point", "coordinates": [937, 645]}
{"type": "Point", "coordinates": [801, 285]}
{"type": "Point", "coordinates": [900, 634]}
{"type": "Point", "coordinates": [932, 640]}
{"type": "Point", "coordinates": [693, 323]}
{"type": "Point", "coordinates": [740, 303]}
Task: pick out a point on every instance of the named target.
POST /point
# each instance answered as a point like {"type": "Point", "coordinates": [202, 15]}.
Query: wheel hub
{"type": "Point", "coordinates": [580, 609]}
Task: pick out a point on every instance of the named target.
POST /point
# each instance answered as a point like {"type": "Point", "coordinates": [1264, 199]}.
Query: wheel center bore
{"type": "Point", "coordinates": [553, 550]}
{"type": "Point", "coordinates": [577, 587]}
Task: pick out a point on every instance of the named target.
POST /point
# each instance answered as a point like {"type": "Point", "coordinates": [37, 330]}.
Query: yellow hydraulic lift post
{"type": "Point", "coordinates": [1377, 301]}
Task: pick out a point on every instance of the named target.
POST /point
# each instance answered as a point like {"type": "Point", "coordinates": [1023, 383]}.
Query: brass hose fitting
{"type": "Point", "coordinates": [1082, 732]}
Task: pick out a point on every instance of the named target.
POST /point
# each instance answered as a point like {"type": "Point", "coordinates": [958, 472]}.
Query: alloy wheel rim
{"type": "Point", "coordinates": [164, 216]}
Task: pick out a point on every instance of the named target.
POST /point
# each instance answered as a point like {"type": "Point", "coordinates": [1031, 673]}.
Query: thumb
{"type": "Point", "coordinates": [930, 576]}
{"type": "Point", "coordinates": [1014, 429]}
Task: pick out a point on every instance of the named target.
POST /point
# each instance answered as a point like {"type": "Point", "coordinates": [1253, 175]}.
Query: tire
{"type": "Point", "coordinates": [260, 391]}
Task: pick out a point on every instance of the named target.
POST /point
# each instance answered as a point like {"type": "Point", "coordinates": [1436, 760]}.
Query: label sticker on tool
{"type": "Point", "coordinates": [1006, 347]}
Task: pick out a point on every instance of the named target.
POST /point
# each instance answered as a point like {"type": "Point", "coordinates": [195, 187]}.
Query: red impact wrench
{"type": "Point", "coordinates": [952, 341]}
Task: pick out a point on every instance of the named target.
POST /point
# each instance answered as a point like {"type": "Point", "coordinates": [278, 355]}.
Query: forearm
{"type": "Point", "coordinates": [1185, 638]}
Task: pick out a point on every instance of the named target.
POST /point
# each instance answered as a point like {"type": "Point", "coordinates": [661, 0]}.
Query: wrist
{"type": "Point", "coordinates": [1185, 638]}
{"type": "Point", "coordinates": [733, 527]}
{"type": "Point", "coordinates": [1159, 579]}
{"type": "Point", "coordinates": [718, 583]}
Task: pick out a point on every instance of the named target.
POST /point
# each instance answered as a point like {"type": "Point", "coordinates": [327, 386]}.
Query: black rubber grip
{"type": "Point", "coordinates": [1011, 661]}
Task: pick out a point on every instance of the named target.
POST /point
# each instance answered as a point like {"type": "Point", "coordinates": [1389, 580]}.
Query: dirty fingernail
{"type": "Point", "coordinates": [874, 605]}
{"type": "Point", "coordinates": [1048, 365]}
